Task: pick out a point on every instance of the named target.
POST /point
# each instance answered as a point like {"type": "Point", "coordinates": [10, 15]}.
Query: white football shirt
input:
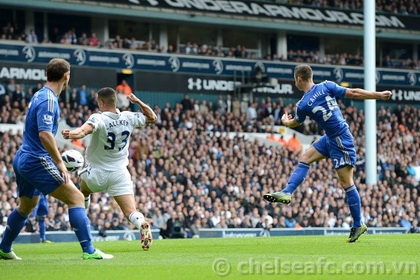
{"type": "Point", "coordinates": [108, 148]}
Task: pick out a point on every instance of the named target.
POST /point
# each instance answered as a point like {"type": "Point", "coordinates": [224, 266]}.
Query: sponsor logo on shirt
{"type": "Point", "coordinates": [47, 119]}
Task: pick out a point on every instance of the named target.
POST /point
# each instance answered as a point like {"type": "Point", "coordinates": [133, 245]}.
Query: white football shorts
{"type": "Point", "coordinates": [117, 182]}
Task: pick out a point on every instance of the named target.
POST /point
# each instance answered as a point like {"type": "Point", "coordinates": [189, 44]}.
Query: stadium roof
{"type": "Point", "coordinates": [247, 14]}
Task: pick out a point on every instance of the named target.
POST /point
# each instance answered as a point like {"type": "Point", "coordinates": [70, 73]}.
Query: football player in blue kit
{"type": "Point", "coordinates": [39, 167]}
{"type": "Point", "coordinates": [40, 212]}
{"type": "Point", "coordinates": [319, 103]}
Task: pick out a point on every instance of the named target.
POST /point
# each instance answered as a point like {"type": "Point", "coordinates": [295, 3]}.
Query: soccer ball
{"type": "Point", "coordinates": [73, 160]}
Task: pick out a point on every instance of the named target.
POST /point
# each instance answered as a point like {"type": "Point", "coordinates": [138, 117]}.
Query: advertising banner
{"type": "Point", "coordinates": [274, 10]}
{"type": "Point", "coordinates": [256, 232]}
{"type": "Point", "coordinates": [194, 73]}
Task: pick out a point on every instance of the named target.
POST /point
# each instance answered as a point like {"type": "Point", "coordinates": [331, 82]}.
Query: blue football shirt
{"type": "Point", "coordinates": [320, 104]}
{"type": "Point", "coordinates": [43, 115]}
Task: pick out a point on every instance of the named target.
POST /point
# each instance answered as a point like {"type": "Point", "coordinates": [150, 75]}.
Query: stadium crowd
{"type": "Point", "coordinates": [189, 174]}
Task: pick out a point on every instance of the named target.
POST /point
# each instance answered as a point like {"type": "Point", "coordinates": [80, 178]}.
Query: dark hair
{"type": "Point", "coordinates": [108, 95]}
{"type": "Point", "coordinates": [56, 69]}
{"type": "Point", "coordinates": [303, 71]}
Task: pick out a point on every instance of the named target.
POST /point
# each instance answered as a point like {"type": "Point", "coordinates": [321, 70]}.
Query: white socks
{"type": "Point", "coordinates": [137, 219]}
{"type": "Point", "coordinates": [87, 202]}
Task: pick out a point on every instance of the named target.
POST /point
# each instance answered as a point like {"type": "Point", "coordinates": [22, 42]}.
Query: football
{"type": "Point", "coordinates": [73, 160]}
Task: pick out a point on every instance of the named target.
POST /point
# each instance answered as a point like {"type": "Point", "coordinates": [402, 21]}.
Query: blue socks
{"type": "Point", "coordinates": [78, 221]}
{"type": "Point", "coordinates": [353, 200]}
{"type": "Point", "coordinates": [80, 225]}
{"type": "Point", "coordinates": [15, 223]}
{"type": "Point", "coordinates": [42, 228]}
{"type": "Point", "coordinates": [298, 176]}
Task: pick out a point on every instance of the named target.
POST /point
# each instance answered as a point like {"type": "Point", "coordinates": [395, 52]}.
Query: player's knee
{"type": "Point", "coordinates": [305, 158]}
{"type": "Point", "coordinates": [25, 210]}
{"type": "Point", "coordinates": [79, 198]}
{"type": "Point", "coordinates": [75, 198]}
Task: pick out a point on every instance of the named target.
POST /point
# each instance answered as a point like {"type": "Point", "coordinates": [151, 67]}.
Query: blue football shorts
{"type": "Point", "coordinates": [35, 174]}
{"type": "Point", "coordinates": [340, 149]}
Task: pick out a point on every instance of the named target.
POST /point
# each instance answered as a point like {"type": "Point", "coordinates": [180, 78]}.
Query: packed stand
{"type": "Point", "coordinates": [187, 177]}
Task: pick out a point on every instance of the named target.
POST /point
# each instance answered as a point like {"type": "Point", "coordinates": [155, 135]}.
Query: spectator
{"type": "Point", "coordinates": [83, 96]}
{"type": "Point", "coordinates": [293, 144]}
{"type": "Point", "coordinates": [405, 221]}
{"type": "Point", "coordinates": [204, 109]}
{"type": "Point", "coordinates": [272, 136]}
{"type": "Point", "coordinates": [251, 112]}
{"type": "Point", "coordinates": [387, 62]}
{"type": "Point", "coordinates": [159, 221]}
{"type": "Point", "coordinates": [11, 86]}
{"type": "Point", "coordinates": [282, 141]}
{"type": "Point", "coordinates": [186, 103]}
{"type": "Point", "coordinates": [175, 227]}
{"type": "Point", "coordinates": [54, 35]}
{"type": "Point", "coordinates": [3, 92]}
{"type": "Point", "coordinates": [116, 225]}
{"type": "Point", "coordinates": [236, 107]}
{"type": "Point", "coordinates": [221, 105]}
{"type": "Point", "coordinates": [93, 40]}
{"type": "Point", "coordinates": [289, 221]}
{"type": "Point", "coordinates": [123, 90]}
{"type": "Point", "coordinates": [83, 40]}
{"type": "Point", "coordinates": [32, 38]}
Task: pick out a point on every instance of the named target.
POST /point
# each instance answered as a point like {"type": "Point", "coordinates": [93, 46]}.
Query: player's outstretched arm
{"type": "Point", "coordinates": [358, 93]}
{"type": "Point", "coordinates": [147, 111]}
{"type": "Point", "coordinates": [77, 133]}
{"type": "Point", "coordinates": [289, 121]}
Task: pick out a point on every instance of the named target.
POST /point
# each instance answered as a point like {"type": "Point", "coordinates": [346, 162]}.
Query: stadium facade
{"type": "Point", "coordinates": [265, 28]}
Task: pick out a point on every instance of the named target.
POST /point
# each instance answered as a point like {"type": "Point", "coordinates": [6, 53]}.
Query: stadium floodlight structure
{"type": "Point", "coordinates": [370, 84]}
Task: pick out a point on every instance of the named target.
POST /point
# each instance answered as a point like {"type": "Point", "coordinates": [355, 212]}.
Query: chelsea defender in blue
{"type": "Point", "coordinates": [319, 103]}
{"type": "Point", "coordinates": [40, 169]}
{"type": "Point", "coordinates": [40, 213]}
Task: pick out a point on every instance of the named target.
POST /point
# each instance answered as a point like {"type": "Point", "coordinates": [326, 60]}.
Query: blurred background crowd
{"type": "Point", "coordinates": [190, 173]}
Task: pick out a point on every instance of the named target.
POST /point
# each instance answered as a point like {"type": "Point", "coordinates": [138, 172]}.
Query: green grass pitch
{"type": "Point", "coordinates": [295, 257]}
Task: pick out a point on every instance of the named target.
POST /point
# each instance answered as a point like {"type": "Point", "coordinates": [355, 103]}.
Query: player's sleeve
{"type": "Point", "coordinates": [94, 120]}
{"type": "Point", "coordinates": [336, 90]}
{"type": "Point", "coordinates": [138, 119]}
{"type": "Point", "coordinates": [45, 115]}
{"type": "Point", "coordinates": [300, 114]}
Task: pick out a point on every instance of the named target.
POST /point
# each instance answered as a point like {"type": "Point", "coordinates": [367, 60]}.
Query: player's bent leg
{"type": "Point", "coordinates": [297, 177]}
{"type": "Point", "coordinates": [69, 194]}
{"type": "Point", "coordinates": [27, 205]}
{"type": "Point", "coordinates": [86, 192]}
{"type": "Point", "coordinates": [127, 205]}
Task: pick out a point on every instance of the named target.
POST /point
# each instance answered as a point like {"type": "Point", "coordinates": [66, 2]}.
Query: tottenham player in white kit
{"type": "Point", "coordinates": [107, 154]}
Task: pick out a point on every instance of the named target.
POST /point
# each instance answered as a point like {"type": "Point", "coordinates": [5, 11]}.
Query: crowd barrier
{"type": "Point", "coordinates": [69, 236]}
